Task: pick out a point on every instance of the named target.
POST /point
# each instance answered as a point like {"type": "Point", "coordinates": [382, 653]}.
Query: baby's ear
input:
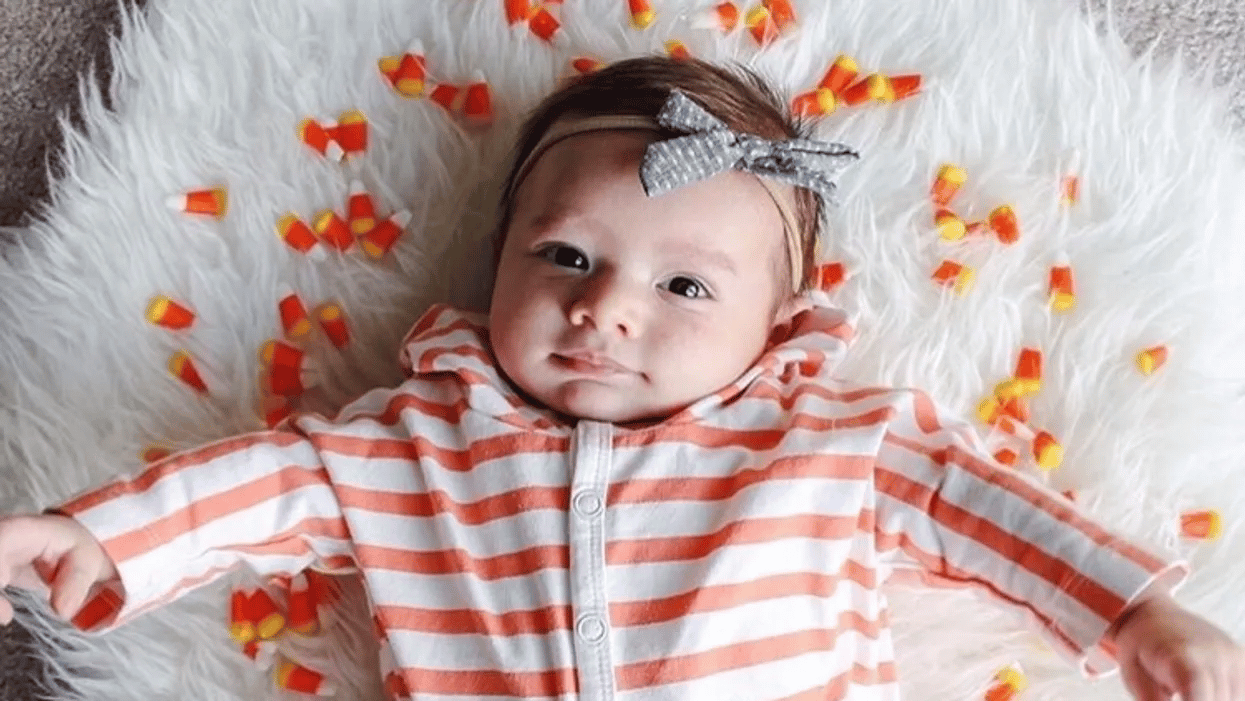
{"type": "Point", "coordinates": [791, 308]}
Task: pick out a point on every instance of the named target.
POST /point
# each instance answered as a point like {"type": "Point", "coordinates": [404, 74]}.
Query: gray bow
{"type": "Point", "coordinates": [710, 147]}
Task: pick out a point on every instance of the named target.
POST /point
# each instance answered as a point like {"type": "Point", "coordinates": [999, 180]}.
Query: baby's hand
{"type": "Point", "coordinates": [56, 552]}
{"type": "Point", "coordinates": [1164, 649]}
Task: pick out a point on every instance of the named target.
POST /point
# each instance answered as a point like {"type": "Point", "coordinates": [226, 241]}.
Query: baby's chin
{"type": "Point", "coordinates": [588, 402]}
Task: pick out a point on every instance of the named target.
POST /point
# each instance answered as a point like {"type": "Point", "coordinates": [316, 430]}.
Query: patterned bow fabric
{"type": "Point", "coordinates": [710, 147]}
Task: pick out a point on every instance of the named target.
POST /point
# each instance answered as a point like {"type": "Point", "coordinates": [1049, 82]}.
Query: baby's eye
{"type": "Point", "coordinates": [686, 287]}
{"type": "Point", "coordinates": [564, 256]}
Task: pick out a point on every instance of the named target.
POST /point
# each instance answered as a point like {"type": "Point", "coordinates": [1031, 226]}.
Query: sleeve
{"type": "Point", "coordinates": [263, 499]}
{"type": "Point", "coordinates": [944, 506]}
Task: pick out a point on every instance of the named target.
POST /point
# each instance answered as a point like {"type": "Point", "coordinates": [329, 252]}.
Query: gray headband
{"type": "Point", "coordinates": [709, 147]}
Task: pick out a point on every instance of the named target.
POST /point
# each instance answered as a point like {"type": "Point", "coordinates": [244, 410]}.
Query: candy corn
{"type": "Point", "coordinates": [518, 11]}
{"type": "Point", "coordinates": [294, 319]}
{"type": "Point", "coordinates": [183, 368]}
{"type": "Point", "coordinates": [446, 95]}
{"type": "Point", "coordinates": [154, 453]}
{"type": "Point", "coordinates": [642, 14]}
{"type": "Point", "coordinates": [1006, 456]}
{"type": "Point", "coordinates": [333, 230]}
{"type": "Point", "coordinates": [781, 11]}
{"type": "Point", "coordinates": [677, 50]}
{"type": "Point", "coordinates": [333, 323]}
{"type": "Point", "coordinates": [304, 619]}
{"type": "Point", "coordinates": [1151, 359]}
{"type": "Point", "coordinates": [899, 87]}
{"type": "Point", "coordinates": [261, 652]}
{"type": "Point", "coordinates": [280, 353]}
{"type": "Point", "coordinates": [273, 409]}
{"type": "Point", "coordinates": [213, 202]}
{"type": "Point", "coordinates": [1003, 222]}
{"type": "Point", "coordinates": [320, 138]}
{"type": "Point", "coordinates": [761, 25]}
{"type": "Point", "coordinates": [407, 73]}
{"type": "Point", "coordinates": [295, 677]}
{"type": "Point", "coordinates": [872, 87]}
{"type": "Point", "coordinates": [478, 101]}
{"type": "Point", "coordinates": [299, 236]}
{"type": "Point", "coordinates": [101, 607]}
{"type": "Point", "coordinates": [828, 276]}
{"type": "Point", "coordinates": [724, 16]}
{"type": "Point", "coordinates": [1046, 451]}
{"type": "Point", "coordinates": [950, 226]}
{"type": "Point", "coordinates": [264, 613]}
{"type": "Point", "coordinates": [1061, 290]}
{"type": "Point", "coordinates": [241, 628]}
{"type": "Point", "coordinates": [1029, 371]}
{"type": "Point", "coordinates": [1009, 682]}
{"type": "Point", "coordinates": [584, 65]}
{"type": "Point", "coordinates": [377, 242]}
{"type": "Point", "coordinates": [1201, 525]}
{"type": "Point", "coordinates": [360, 211]}
{"type": "Point", "coordinates": [163, 311]}
{"type": "Point", "coordinates": [1070, 190]}
{"type": "Point", "coordinates": [950, 273]}
{"type": "Point", "coordinates": [949, 181]}
{"type": "Point", "coordinates": [287, 373]}
{"type": "Point", "coordinates": [543, 24]}
{"type": "Point", "coordinates": [841, 74]}
{"type": "Point", "coordinates": [351, 132]}
{"type": "Point", "coordinates": [814, 103]}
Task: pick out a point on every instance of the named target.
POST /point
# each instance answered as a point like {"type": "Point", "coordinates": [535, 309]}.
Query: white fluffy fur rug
{"type": "Point", "coordinates": [1019, 92]}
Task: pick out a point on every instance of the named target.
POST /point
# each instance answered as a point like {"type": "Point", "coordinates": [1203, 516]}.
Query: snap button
{"type": "Point", "coordinates": [587, 504]}
{"type": "Point", "coordinates": [591, 628]}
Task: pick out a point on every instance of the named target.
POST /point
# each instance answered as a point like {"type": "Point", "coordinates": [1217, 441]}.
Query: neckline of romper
{"type": "Point", "coordinates": [448, 340]}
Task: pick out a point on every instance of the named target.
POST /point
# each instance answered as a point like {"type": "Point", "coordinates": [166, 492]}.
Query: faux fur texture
{"type": "Point", "coordinates": [1019, 92]}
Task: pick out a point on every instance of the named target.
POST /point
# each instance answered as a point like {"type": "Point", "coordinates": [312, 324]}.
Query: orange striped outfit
{"type": "Point", "coordinates": [732, 551]}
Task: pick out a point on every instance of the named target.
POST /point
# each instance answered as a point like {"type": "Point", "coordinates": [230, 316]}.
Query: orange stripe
{"type": "Point", "coordinates": [429, 326]}
{"type": "Point", "coordinates": [429, 504]}
{"type": "Point", "coordinates": [457, 561]}
{"type": "Point", "coordinates": [797, 392]}
{"type": "Point", "coordinates": [490, 682]}
{"type": "Point", "coordinates": [216, 506]}
{"type": "Point", "coordinates": [758, 530]}
{"type": "Point", "coordinates": [837, 688]}
{"type": "Point", "coordinates": [672, 670]}
{"type": "Point", "coordinates": [1027, 555]}
{"type": "Point", "coordinates": [456, 460]}
{"type": "Point", "coordinates": [757, 440]}
{"type": "Point", "coordinates": [726, 596]}
{"type": "Point", "coordinates": [639, 491]}
{"type": "Point", "coordinates": [175, 464]}
{"type": "Point", "coordinates": [539, 621]}
{"type": "Point", "coordinates": [428, 359]}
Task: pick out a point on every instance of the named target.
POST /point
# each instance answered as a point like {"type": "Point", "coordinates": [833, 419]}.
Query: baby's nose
{"type": "Point", "coordinates": [610, 305]}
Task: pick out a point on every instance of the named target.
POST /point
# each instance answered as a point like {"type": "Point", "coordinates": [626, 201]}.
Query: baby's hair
{"type": "Point", "coordinates": [640, 86]}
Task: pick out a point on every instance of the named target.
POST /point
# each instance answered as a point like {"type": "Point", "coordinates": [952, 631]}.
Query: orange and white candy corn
{"type": "Point", "coordinates": [1029, 370]}
{"type": "Point", "coordinates": [273, 409]}
{"type": "Point", "coordinates": [956, 275]}
{"type": "Point", "coordinates": [950, 226]}
{"type": "Point", "coordinates": [265, 614]}
{"type": "Point", "coordinates": [947, 184]}
{"type": "Point", "coordinates": [873, 87]}
{"type": "Point", "coordinates": [761, 25]}
{"type": "Point", "coordinates": [278, 352]}
{"type": "Point", "coordinates": [377, 242]}
{"type": "Point", "coordinates": [360, 210]}
{"type": "Point", "coordinates": [898, 87]}
{"type": "Point", "coordinates": [478, 101]}
{"type": "Point", "coordinates": [447, 95]}
{"type": "Point", "coordinates": [212, 202]}
{"type": "Point", "coordinates": [642, 14]}
{"type": "Point", "coordinates": [407, 74]}
{"type": "Point", "coordinates": [1006, 456]}
{"type": "Point", "coordinates": [241, 627]}
{"type": "Point", "coordinates": [584, 65]}
{"type": "Point", "coordinates": [544, 25]}
{"type": "Point", "coordinates": [814, 103]}
{"type": "Point", "coordinates": [101, 607]}
{"type": "Point", "coordinates": [1070, 190]}
{"type": "Point", "coordinates": [294, 319]}
{"type": "Point", "coordinates": [781, 11]}
{"type": "Point", "coordinates": [1046, 451]}
{"type": "Point", "coordinates": [828, 276]}
{"type": "Point", "coordinates": [351, 132]}
{"type": "Point", "coordinates": [333, 230]}
{"type": "Point", "coordinates": [1061, 289]}
{"type": "Point", "coordinates": [1151, 359]}
{"type": "Point", "coordinates": [840, 75]}
{"type": "Point", "coordinates": [163, 311]}
{"type": "Point", "coordinates": [1003, 223]}
{"type": "Point", "coordinates": [320, 138]}
{"type": "Point", "coordinates": [304, 618]}
{"type": "Point", "coordinates": [723, 16]}
{"type": "Point", "coordinates": [333, 323]}
{"type": "Point", "coordinates": [260, 652]}
{"type": "Point", "coordinates": [183, 368]}
{"type": "Point", "coordinates": [287, 381]}
{"type": "Point", "coordinates": [517, 11]}
{"type": "Point", "coordinates": [155, 453]}
{"type": "Point", "coordinates": [295, 677]}
{"type": "Point", "coordinates": [677, 50]}
{"type": "Point", "coordinates": [299, 236]}
{"type": "Point", "coordinates": [1008, 684]}
{"type": "Point", "coordinates": [1206, 524]}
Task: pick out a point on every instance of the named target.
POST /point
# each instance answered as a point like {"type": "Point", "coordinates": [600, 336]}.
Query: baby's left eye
{"type": "Point", "coordinates": [686, 287]}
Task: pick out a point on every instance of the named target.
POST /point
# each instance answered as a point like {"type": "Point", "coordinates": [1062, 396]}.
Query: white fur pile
{"type": "Point", "coordinates": [1019, 92]}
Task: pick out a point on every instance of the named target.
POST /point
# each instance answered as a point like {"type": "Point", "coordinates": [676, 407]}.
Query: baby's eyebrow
{"type": "Point", "coordinates": [709, 256]}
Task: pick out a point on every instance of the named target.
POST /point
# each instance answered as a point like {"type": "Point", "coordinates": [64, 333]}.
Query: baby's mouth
{"type": "Point", "coordinates": [589, 363]}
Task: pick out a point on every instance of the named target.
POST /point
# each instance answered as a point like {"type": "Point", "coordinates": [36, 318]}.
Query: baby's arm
{"type": "Point", "coordinates": [51, 551]}
{"type": "Point", "coordinates": [263, 499]}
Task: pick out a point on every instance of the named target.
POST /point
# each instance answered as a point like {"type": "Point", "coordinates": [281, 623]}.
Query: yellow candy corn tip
{"type": "Point", "coordinates": [1062, 302]}
{"type": "Point", "coordinates": [641, 20]}
{"type": "Point", "coordinates": [846, 63]}
{"type": "Point", "coordinates": [1050, 457]}
{"type": "Point", "coordinates": [953, 174]}
{"type": "Point", "coordinates": [270, 626]}
{"type": "Point", "coordinates": [964, 280]}
{"type": "Point", "coordinates": [952, 229]}
{"type": "Point", "coordinates": [267, 351]}
{"type": "Point", "coordinates": [1009, 389]}
{"type": "Point", "coordinates": [330, 312]}
{"type": "Point", "coordinates": [177, 361]}
{"type": "Point", "coordinates": [389, 64]}
{"type": "Point", "coordinates": [351, 117]}
{"type": "Point", "coordinates": [409, 87]}
{"type": "Point", "coordinates": [1012, 677]}
{"type": "Point", "coordinates": [826, 100]}
{"type": "Point", "coordinates": [987, 409]}
{"type": "Point", "coordinates": [242, 632]}
{"type": "Point", "coordinates": [157, 309]}
{"type": "Point", "coordinates": [362, 226]}
{"type": "Point", "coordinates": [371, 249]}
{"type": "Point", "coordinates": [301, 328]}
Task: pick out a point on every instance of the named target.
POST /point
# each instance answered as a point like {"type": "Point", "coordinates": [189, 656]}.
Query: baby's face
{"type": "Point", "coordinates": [615, 306]}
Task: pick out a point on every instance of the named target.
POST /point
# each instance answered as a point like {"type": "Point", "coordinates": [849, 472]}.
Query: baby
{"type": "Point", "coordinates": [638, 477]}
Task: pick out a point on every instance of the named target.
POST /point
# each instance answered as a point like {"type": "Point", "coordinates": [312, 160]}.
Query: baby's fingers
{"type": "Point", "coordinates": [71, 583]}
